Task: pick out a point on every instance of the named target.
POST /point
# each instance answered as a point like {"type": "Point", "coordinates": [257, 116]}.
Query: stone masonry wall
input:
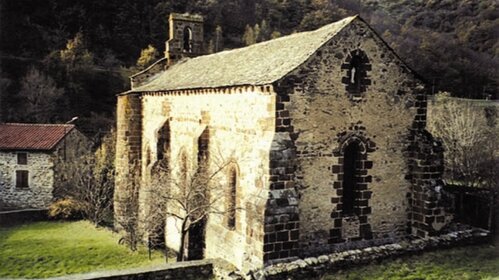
{"type": "Point", "coordinates": [318, 112]}
{"type": "Point", "coordinates": [430, 204]}
{"type": "Point", "coordinates": [239, 124]}
{"type": "Point", "coordinates": [40, 180]}
{"type": "Point", "coordinates": [128, 155]}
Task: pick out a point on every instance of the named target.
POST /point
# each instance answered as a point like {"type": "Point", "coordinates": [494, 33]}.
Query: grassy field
{"type": "Point", "coordinates": [473, 262]}
{"type": "Point", "coordinates": [46, 249]}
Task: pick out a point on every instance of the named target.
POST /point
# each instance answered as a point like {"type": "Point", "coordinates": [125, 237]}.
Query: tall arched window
{"type": "Point", "coordinates": [350, 172]}
{"type": "Point", "coordinates": [183, 170]}
{"type": "Point", "coordinates": [203, 143]}
{"type": "Point", "coordinates": [163, 144]}
{"type": "Point", "coordinates": [187, 46]}
{"type": "Point", "coordinates": [231, 199]}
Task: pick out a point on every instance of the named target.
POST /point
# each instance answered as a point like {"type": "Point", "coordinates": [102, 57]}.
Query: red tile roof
{"type": "Point", "coordinates": [30, 136]}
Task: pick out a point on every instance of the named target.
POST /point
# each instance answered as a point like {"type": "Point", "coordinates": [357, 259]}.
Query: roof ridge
{"type": "Point", "coordinates": [38, 124]}
{"type": "Point", "coordinates": [257, 64]}
{"type": "Point", "coordinates": [285, 37]}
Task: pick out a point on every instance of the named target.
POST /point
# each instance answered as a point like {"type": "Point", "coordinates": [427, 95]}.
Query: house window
{"type": "Point", "coordinates": [22, 179]}
{"type": "Point", "coordinates": [350, 177]}
{"type": "Point", "coordinates": [231, 199]}
{"type": "Point", "coordinates": [22, 158]}
{"type": "Point", "coordinates": [187, 40]}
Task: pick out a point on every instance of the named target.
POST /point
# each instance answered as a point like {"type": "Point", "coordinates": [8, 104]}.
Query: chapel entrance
{"type": "Point", "coordinates": [197, 241]}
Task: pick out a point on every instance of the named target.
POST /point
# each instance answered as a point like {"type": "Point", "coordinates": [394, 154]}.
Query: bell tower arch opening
{"type": "Point", "coordinates": [186, 37]}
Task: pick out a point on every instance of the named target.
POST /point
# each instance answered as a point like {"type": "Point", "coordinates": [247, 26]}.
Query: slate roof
{"type": "Point", "coordinates": [28, 136]}
{"type": "Point", "coordinates": [258, 64]}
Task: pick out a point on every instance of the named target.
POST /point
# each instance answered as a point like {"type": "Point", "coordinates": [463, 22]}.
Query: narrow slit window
{"type": "Point", "coordinates": [231, 200]}
{"type": "Point", "coordinates": [163, 144]}
{"type": "Point", "coordinates": [355, 72]}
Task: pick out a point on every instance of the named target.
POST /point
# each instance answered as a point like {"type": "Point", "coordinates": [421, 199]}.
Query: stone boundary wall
{"type": "Point", "coordinates": [15, 217]}
{"type": "Point", "coordinates": [191, 270]}
{"type": "Point", "coordinates": [317, 266]}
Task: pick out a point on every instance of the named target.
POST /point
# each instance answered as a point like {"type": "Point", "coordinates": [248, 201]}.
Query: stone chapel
{"type": "Point", "coordinates": [326, 129]}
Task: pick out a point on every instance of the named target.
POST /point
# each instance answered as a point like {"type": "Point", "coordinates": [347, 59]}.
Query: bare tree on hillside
{"type": "Point", "coordinates": [39, 95]}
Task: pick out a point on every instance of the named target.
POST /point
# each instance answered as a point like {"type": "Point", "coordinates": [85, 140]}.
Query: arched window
{"type": "Point", "coordinates": [350, 172]}
{"type": "Point", "coordinates": [163, 144]}
{"type": "Point", "coordinates": [355, 69]}
{"type": "Point", "coordinates": [183, 170]}
{"type": "Point", "coordinates": [187, 46]}
{"type": "Point", "coordinates": [203, 142]}
{"type": "Point", "coordinates": [356, 77]}
{"type": "Point", "coordinates": [231, 199]}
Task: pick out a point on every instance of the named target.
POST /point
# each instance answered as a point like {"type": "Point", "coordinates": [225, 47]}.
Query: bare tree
{"type": "Point", "coordinates": [89, 180]}
{"type": "Point", "coordinates": [188, 197]}
{"type": "Point", "coordinates": [470, 144]}
{"type": "Point", "coordinates": [127, 220]}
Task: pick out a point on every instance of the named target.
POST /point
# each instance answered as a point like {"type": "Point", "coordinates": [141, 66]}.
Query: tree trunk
{"type": "Point", "coordinates": [496, 228]}
{"type": "Point", "coordinates": [183, 235]}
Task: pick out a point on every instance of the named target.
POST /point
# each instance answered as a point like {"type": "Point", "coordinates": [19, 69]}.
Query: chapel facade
{"type": "Point", "coordinates": [325, 129]}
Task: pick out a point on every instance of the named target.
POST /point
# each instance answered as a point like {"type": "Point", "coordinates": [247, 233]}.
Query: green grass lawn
{"type": "Point", "coordinates": [473, 262]}
{"type": "Point", "coordinates": [47, 249]}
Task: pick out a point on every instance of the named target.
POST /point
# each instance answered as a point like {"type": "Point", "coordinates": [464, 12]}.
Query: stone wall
{"type": "Point", "coordinates": [318, 266]}
{"type": "Point", "coordinates": [235, 124]}
{"type": "Point", "coordinates": [193, 270]}
{"type": "Point", "coordinates": [16, 217]}
{"type": "Point", "coordinates": [40, 180]}
{"type": "Point", "coordinates": [430, 204]}
{"type": "Point", "coordinates": [128, 155]}
{"type": "Point", "coordinates": [318, 114]}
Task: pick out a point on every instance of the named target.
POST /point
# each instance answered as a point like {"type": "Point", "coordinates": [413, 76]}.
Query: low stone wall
{"type": "Point", "coordinates": [191, 270]}
{"type": "Point", "coordinates": [317, 266]}
{"type": "Point", "coordinates": [15, 217]}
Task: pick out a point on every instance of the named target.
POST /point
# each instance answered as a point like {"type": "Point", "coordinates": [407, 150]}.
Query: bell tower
{"type": "Point", "coordinates": [186, 37]}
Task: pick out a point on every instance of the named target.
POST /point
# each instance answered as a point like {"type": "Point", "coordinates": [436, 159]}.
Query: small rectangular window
{"type": "Point", "coordinates": [22, 179]}
{"type": "Point", "coordinates": [22, 158]}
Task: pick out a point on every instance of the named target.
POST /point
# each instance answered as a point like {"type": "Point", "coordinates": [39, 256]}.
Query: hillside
{"type": "Point", "coordinates": [81, 51]}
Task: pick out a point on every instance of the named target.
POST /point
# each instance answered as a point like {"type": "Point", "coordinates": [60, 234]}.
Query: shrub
{"type": "Point", "coordinates": [66, 209]}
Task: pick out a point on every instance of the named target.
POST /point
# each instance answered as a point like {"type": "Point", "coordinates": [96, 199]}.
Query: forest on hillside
{"type": "Point", "coordinates": [61, 58]}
